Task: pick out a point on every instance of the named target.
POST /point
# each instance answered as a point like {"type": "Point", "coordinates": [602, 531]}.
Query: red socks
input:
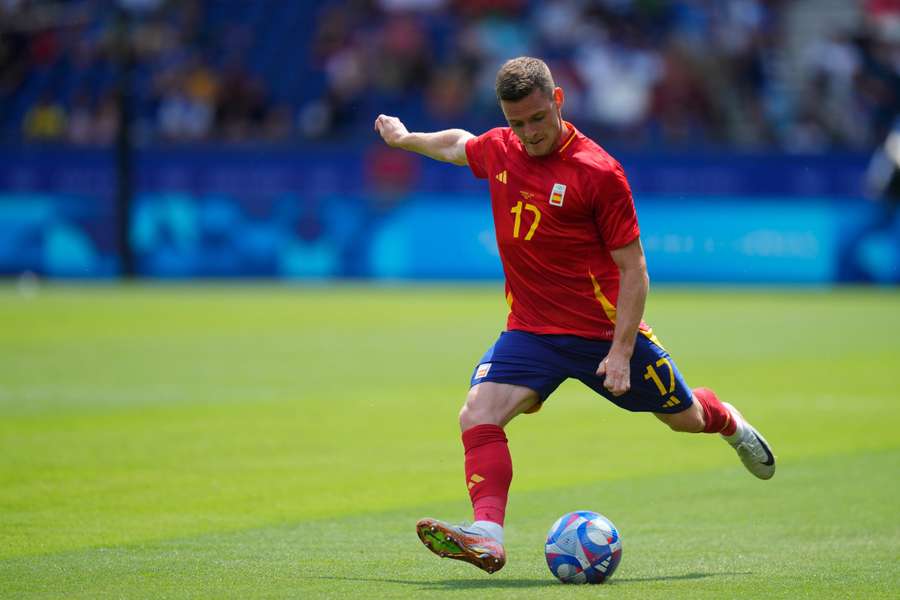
{"type": "Point", "coordinates": [718, 419]}
{"type": "Point", "coordinates": [488, 471]}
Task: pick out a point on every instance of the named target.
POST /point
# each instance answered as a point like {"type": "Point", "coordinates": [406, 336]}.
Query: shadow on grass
{"type": "Point", "coordinates": [676, 577]}
{"type": "Point", "coordinates": [452, 584]}
{"type": "Point", "coordinates": [476, 584]}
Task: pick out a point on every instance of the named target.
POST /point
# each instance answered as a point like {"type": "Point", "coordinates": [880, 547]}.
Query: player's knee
{"type": "Point", "coordinates": [495, 404]}
{"type": "Point", "coordinates": [470, 416]}
{"type": "Point", "coordinates": [476, 411]}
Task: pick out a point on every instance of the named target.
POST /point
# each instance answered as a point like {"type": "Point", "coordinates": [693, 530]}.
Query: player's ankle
{"type": "Point", "coordinates": [490, 528]}
{"type": "Point", "coordinates": [738, 433]}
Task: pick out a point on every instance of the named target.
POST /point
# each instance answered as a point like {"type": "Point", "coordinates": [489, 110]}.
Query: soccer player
{"type": "Point", "coordinates": [576, 282]}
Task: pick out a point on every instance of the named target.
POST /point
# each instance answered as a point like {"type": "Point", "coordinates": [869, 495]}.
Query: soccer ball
{"type": "Point", "coordinates": [583, 547]}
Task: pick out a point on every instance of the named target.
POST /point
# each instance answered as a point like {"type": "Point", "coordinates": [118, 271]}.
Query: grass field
{"type": "Point", "coordinates": [280, 442]}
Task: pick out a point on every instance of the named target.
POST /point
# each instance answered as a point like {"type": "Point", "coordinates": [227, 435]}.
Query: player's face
{"type": "Point", "coordinates": [536, 120]}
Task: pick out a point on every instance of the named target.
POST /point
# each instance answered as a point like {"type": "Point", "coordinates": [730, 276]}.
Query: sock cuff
{"type": "Point", "coordinates": [717, 417]}
{"type": "Point", "coordinates": [479, 435]}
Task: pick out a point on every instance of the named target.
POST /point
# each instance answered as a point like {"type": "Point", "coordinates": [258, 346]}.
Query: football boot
{"type": "Point", "coordinates": [464, 543]}
{"type": "Point", "coordinates": [751, 446]}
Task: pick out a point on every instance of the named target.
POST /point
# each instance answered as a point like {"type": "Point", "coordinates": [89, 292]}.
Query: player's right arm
{"type": "Point", "coordinates": [447, 146]}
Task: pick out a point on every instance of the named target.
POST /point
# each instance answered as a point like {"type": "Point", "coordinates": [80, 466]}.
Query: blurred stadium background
{"type": "Point", "coordinates": [212, 440]}
{"type": "Point", "coordinates": [224, 138]}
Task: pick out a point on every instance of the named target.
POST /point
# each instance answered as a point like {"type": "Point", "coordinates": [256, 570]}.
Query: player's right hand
{"type": "Point", "coordinates": [391, 129]}
{"type": "Point", "coordinates": [617, 371]}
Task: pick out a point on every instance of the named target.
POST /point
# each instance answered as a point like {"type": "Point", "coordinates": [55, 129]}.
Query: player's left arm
{"type": "Point", "coordinates": [634, 284]}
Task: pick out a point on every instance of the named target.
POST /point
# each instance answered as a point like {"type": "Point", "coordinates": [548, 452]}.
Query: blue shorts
{"type": "Point", "coordinates": [542, 362]}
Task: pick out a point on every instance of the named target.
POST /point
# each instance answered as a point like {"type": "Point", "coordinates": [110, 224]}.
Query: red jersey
{"type": "Point", "coordinates": [556, 219]}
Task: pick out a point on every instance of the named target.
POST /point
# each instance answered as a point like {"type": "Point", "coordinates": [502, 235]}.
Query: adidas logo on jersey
{"type": "Point", "coordinates": [501, 177]}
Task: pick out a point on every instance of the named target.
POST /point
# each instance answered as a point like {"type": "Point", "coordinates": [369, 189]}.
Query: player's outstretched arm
{"type": "Point", "coordinates": [447, 146]}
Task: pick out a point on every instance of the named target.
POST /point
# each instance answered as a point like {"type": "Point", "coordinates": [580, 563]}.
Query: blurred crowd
{"type": "Point", "coordinates": [641, 73]}
{"type": "Point", "coordinates": [187, 82]}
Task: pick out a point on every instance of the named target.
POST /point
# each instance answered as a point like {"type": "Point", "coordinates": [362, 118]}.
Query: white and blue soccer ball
{"type": "Point", "coordinates": [583, 547]}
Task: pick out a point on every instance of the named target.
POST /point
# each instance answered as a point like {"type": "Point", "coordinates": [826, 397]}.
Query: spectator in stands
{"type": "Point", "coordinates": [106, 119]}
{"type": "Point", "coordinates": [80, 126]}
{"type": "Point", "coordinates": [448, 93]}
{"type": "Point", "coordinates": [186, 107]}
{"type": "Point", "coordinates": [682, 108]}
{"type": "Point", "coordinates": [403, 56]}
{"type": "Point", "coordinates": [242, 104]}
{"type": "Point", "coordinates": [279, 124]}
{"type": "Point", "coordinates": [46, 120]}
{"type": "Point", "coordinates": [829, 101]}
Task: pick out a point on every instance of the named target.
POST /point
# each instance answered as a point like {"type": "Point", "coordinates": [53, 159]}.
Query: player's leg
{"type": "Point", "coordinates": [489, 407]}
{"type": "Point", "coordinates": [710, 415]}
{"type": "Point", "coordinates": [658, 387]}
{"type": "Point", "coordinates": [513, 377]}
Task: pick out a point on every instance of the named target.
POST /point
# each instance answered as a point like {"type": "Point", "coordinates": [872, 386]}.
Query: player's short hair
{"type": "Point", "coordinates": [519, 77]}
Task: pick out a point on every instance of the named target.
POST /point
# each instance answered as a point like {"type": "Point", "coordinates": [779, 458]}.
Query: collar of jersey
{"type": "Point", "coordinates": [573, 133]}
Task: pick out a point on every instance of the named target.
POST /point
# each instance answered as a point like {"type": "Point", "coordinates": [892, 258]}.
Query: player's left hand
{"type": "Point", "coordinates": [617, 369]}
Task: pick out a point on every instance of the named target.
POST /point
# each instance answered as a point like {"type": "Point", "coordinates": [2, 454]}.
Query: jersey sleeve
{"type": "Point", "coordinates": [476, 154]}
{"type": "Point", "coordinates": [614, 213]}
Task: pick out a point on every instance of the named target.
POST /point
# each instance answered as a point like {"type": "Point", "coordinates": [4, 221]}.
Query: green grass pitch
{"type": "Point", "coordinates": [280, 442]}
